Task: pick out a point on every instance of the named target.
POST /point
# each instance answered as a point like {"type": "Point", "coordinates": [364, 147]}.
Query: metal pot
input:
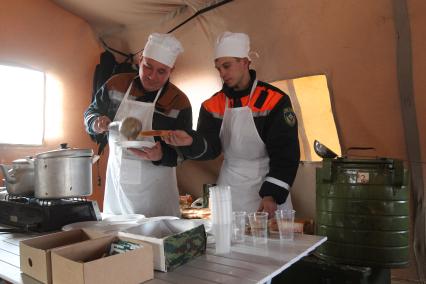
{"type": "Point", "coordinates": [63, 173]}
{"type": "Point", "coordinates": [19, 178]}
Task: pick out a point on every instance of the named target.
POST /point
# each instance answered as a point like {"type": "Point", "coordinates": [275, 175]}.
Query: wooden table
{"type": "Point", "coordinates": [246, 263]}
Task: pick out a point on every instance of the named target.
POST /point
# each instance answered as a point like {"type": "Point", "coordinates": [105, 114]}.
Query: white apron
{"type": "Point", "coordinates": [134, 185]}
{"type": "Point", "coordinates": [246, 161]}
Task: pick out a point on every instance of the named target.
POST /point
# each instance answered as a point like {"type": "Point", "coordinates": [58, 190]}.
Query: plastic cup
{"type": "Point", "coordinates": [221, 208]}
{"type": "Point", "coordinates": [238, 226]}
{"type": "Point", "coordinates": [259, 227]}
{"type": "Point", "coordinates": [285, 221]}
{"type": "Point", "coordinates": [222, 235]}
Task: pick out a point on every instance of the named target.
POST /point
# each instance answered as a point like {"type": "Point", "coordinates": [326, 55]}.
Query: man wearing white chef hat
{"type": "Point", "coordinates": [142, 181]}
{"type": "Point", "coordinates": [253, 124]}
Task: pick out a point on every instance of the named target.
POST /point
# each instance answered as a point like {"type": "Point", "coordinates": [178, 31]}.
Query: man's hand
{"type": "Point", "coordinates": [268, 204]}
{"type": "Point", "coordinates": [101, 124]}
{"type": "Point", "coordinates": [178, 138]}
{"type": "Point", "coordinates": [152, 154]}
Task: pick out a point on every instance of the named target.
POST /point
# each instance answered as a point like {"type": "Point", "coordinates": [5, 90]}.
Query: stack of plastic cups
{"type": "Point", "coordinates": [221, 208]}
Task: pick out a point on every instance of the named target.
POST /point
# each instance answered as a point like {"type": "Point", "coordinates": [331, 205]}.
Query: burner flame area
{"type": "Point", "coordinates": [42, 202]}
{"type": "Point", "coordinates": [50, 202]}
{"type": "Point", "coordinates": [16, 198]}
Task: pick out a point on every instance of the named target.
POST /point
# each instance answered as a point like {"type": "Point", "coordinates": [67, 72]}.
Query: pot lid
{"type": "Point", "coordinates": [22, 161]}
{"type": "Point", "coordinates": [66, 153]}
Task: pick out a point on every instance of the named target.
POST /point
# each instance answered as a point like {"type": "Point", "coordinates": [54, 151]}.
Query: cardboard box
{"type": "Point", "coordinates": [174, 242]}
{"type": "Point", "coordinates": [35, 253]}
{"type": "Point", "coordinates": [86, 262]}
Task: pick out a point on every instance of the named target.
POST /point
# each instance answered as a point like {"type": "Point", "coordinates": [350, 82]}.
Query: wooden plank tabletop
{"type": "Point", "coordinates": [246, 263]}
{"type": "Point", "coordinates": [9, 257]}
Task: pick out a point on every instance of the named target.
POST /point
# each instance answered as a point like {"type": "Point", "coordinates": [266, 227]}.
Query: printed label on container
{"type": "Point", "coordinates": [362, 177]}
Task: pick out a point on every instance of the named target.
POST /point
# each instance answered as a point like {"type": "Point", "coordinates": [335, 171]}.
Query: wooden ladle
{"type": "Point", "coordinates": [131, 128]}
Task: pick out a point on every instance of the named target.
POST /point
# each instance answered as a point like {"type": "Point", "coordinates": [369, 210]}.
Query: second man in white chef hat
{"type": "Point", "coordinates": [253, 124]}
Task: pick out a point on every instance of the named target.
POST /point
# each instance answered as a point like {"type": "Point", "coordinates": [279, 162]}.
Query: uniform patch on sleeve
{"type": "Point", "coordinates": [289, 116]}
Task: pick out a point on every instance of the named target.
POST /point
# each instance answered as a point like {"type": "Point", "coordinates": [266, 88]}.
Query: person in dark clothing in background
{"type": "Point", "coordinates": [253, 124]}
{"type": "Point", "coordinates": [142, 181]}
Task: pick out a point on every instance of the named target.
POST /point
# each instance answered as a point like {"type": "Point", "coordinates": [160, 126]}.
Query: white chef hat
{"type": "Point", "coordinates": [232, 45]}
{"type": "Point", "coordinates": [163, 48]}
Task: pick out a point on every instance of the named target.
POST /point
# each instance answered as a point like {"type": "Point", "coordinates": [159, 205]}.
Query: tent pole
{"type": "Point", "coordinates": [411, 133]}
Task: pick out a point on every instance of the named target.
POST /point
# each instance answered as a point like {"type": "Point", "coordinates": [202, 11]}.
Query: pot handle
{"type": "Point", "coordinates": [95, 158]}
{"type": "Point", "coordinates": [8, 173]}
{"type": "Point", "coordinates": [30, 160]}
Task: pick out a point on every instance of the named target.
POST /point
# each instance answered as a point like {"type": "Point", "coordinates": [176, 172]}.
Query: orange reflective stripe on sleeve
{"type": "Point", "coordinates": [216, 104]}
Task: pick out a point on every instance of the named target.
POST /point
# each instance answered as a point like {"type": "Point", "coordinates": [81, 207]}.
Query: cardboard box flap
{"type": "Point", "coordinates": [104, 269]}
{"type": "Point", "coordinates": [181, 248]}
{"type": "Point", "coordinates": [161, 229]}
{"type": "Point", "coordinates": [35, 263]}
{"type": "Point", "coordinates": [87, 250]}
{"type": "Point", "coordinates": [57, 239]}
{"type": "Point", "coordinates": [89, 261]}
{"type": "Point", "coordinates": [157, 248]}
{"type": "Point", "coordinates": [94, 250]}
{"type": "Point", "coordinates": [183, 225]}
{"type": "Point", "coordinates": [71, 271]}
{"type": "Point", "coordinates": [156, 229]}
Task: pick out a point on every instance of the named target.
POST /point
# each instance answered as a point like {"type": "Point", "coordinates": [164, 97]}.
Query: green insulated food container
{"type": "Point", "coordinates": [362, 208]}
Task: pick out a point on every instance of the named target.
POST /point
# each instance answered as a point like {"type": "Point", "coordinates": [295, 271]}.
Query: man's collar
{"type": "Point", "coordinates": [139, 85]}
{"type": "Point", "coordinates": [231, 93]}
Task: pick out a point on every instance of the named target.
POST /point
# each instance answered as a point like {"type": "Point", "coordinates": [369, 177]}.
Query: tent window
{"type": "Point", "coordinates": [21, 105]}
{"type": "Point", "coordinates": [311, 102]}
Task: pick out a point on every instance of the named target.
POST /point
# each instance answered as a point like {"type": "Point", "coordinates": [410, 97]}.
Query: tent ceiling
{"type": "Point", "coordinates": [111, 17]}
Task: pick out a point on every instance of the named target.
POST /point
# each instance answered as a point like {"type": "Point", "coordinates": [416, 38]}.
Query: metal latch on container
{"type": "Point", "coordinates": [362, 177]}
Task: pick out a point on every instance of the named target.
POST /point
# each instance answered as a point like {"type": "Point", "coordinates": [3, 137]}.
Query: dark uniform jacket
{"type": "Point", "coordinates": [172, 109]}
{"type": "Point", "coordinates": [275, 121]}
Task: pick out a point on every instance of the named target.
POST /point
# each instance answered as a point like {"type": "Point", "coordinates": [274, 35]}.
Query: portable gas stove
{"type": "Point", "coordinates": [41, 215]}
